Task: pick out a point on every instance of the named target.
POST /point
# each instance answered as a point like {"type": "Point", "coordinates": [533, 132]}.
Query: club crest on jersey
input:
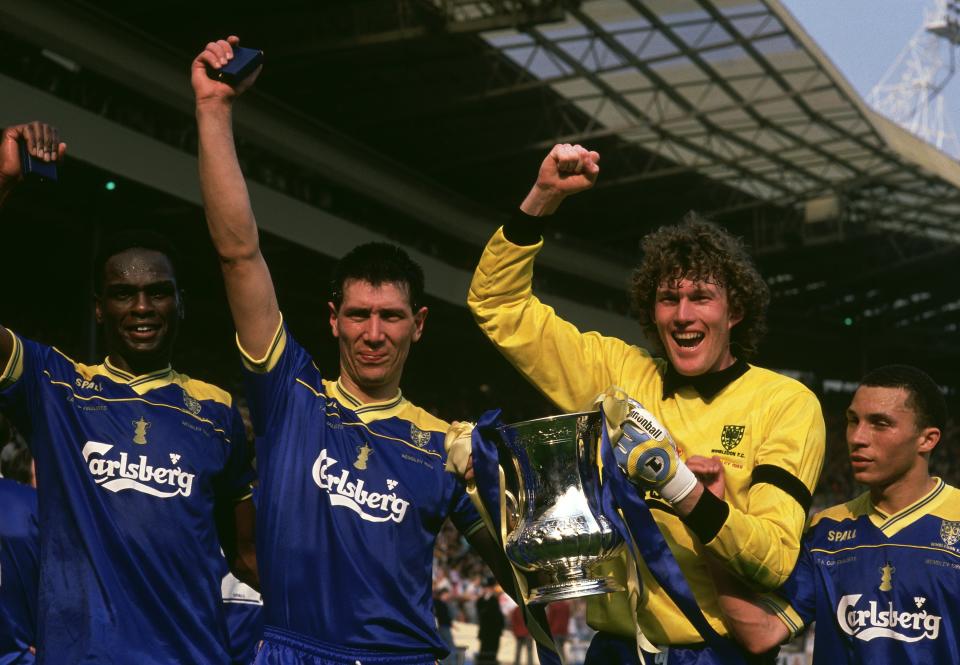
{"type": "Point", "coordinates": [192, 404]}
{"type": "Point", "coordinates": [346, 492]}
{"type": "Point", "coordinates": [420, 438]}
{"type": "Point", "coordinates": [117, 474]}
{"type": "Point", "coordinates": [731, 436]}
{"type": "Point", "coordinates": [949, 532]}
{"type": "Point", "coordinates": [140, 428]}
{"type": "Point", "coordinates": [363, 454]}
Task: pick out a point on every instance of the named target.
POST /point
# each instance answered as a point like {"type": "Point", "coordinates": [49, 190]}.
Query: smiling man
{"type": "Point", "coordinates": [141, 471]}
{"type": "Point", "coordinates": [878, 574]}
{"type": "Point", "coordinates": [353, 490]}
{"type": "Point", "coordinates": [701, 301]}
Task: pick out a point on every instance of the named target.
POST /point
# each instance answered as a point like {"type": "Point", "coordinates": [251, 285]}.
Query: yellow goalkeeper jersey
{"type": "Point", "coordinates": [766, 428]}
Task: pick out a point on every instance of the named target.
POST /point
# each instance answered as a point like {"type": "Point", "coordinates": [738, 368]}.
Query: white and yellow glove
{"type": "Point", "coordinates": [459, 447]}
{"type": "Point", "coordinates": [647, 454]}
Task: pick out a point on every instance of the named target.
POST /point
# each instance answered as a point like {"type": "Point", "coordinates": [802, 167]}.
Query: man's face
{"type": "Point", "coordinates": [375, 327]}
{"type": "Point", "coordinates": [139, 309]}
{"type": "Point", "coordinates": [693, 320]}
{"type": "Point", "coordinates": [883, 437]}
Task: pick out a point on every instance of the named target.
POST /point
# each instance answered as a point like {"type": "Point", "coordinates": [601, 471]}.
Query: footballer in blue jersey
{"type": "Point", "coordinates": [135, 464]}
{"type": "Point", "coordinates": [352, 497]}
{"type": "Point", "coordinates": [880, 575]}
{"type": "Point", "coordinates": [352, 489]}
{"type": "Point", "coordinates": [19, 572]}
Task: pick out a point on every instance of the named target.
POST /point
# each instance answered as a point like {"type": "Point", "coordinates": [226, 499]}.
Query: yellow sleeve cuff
{"type": "Point", "coordinates": [783, 611]}
{"type": "Point", "coordinates": [14, 368]}
{"type": "Point", "coordinates": [271, 357]}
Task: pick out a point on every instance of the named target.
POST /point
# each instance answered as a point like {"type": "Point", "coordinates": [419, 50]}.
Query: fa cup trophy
{"type": "Point", "coordinates": [555, 523]}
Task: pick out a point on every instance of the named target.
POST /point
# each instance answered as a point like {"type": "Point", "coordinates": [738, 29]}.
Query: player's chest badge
{"type": "Point", "coordinates": [949, 532]}
{"type": "Point", "coordinates": [363, 456]}
{"type": "Point", "coordinates": [140, 428]}
{"type": "Point", "coordinates": [420, 438]}
{"type": "Point", "coordinates": [192, 404]}
{"type": "Point", "coordinates": [731, 436]}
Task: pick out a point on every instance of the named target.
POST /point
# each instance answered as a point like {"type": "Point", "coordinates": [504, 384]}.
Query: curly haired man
{"type": "Point", "coordinates": [702, 303]}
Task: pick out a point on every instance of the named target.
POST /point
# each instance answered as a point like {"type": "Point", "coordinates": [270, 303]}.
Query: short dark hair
{"type": "Point", "coordinates": [378, 263]}
{"type": "Point", "coordinates": [113, 244]}
{"type": "Point", "coordinates": [16, 462]}
{"type": "Point", "coordinates": [700, 250]}
{"type": "Point", "coordinates": [923, 394]}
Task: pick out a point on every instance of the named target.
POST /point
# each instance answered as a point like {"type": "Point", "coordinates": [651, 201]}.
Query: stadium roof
{"type": "Point", "coordinates": [424, 121]}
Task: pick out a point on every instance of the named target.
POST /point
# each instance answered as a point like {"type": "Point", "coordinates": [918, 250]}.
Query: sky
{"type": "Point", "coordinates": [864, 37]}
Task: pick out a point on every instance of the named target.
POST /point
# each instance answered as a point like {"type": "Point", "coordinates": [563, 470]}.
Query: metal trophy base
{"type": "Point", "coordinates": [549, 593]}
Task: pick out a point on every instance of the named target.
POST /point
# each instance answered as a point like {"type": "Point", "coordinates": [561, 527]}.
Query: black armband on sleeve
{"type": "Point", "coordinates": [522, 229]}
{"type": "Point", "coordinates": [707, 516]}
{"type": "Point", "coordinates": [784, 480]}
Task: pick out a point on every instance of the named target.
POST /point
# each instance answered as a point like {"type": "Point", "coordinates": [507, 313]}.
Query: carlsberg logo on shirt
{"type": "Point", "coordinates": [876, 620]}
{"type": "Point", "coordinates": [126, 473]}
{"type": "Point", "coordinates": [370, 506]}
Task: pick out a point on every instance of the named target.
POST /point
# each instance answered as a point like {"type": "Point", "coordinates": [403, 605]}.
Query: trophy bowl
{"type": "Point", "coordinates": [555, 523]}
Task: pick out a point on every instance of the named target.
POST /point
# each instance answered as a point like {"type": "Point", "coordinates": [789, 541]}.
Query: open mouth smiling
{"type": "Point", "coordinates": [688, 340]}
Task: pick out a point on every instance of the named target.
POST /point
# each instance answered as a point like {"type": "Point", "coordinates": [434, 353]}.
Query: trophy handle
{"type": "Point", "coordinates": [513, 510]}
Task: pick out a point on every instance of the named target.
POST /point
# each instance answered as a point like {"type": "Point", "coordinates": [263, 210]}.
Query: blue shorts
{"type": "Point", "coordinates": [281, 647]}
{"type": "Point", "coordinates": [606, 648]}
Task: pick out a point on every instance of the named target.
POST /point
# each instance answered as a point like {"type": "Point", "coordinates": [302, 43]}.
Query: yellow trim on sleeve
{"type": "Point", "coordinates": [783, 611]}
{"type": "Point", "coordinates": [272, 356]}
{"type": "Point", "coordinates": [14, 369]}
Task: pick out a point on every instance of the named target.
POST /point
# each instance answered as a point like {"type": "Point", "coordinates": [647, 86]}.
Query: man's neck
{"type": "Point", "coordinates": [902, 492]}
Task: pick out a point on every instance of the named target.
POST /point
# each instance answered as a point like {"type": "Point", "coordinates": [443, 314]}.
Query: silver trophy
{"type": "Point", "coordinates": [554, 520]}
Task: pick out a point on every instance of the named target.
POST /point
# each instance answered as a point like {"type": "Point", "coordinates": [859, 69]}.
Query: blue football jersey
{"type": "Point", "coordinates": [19, 571]}
{"type": "Point", "coordinates": [883, 589]}
{"type": "Point", "coordinates": [128, 470]}
{"type": "Point", "coordinates": [351, 499]}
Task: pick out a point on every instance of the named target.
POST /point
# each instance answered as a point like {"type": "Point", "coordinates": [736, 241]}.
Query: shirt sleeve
{"type": "Point", "coordinates": [16, 382]}
{"type": "Point", "coordinates": [268, 379]}
{"type": "Point", "coordinates": [795, 603]}
{"type": "Point", "coordinates": [533, 337]}
{"type": "Point", "coordinates": [237, 477]}
{"type": "Point", "coordinates": [463, 513]}
{"type": "Point", "coordinates": [761, 543]}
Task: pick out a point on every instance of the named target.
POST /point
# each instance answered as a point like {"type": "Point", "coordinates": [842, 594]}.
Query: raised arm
{"type": "Point", "coordinates": [43, 143]}
{"type": "Point", "coordinates": [233, 228]}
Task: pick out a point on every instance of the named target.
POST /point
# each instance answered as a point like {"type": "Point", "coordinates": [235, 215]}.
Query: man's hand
{"type": "Point", "coordinates": [568, 169]}
{"type": "Point", "coordinates": [649, 457]}
{"type": "Point", "coordinates": [43, 142]}
{"type": "Point", "coordinates": [215, 56]}
{"type": "Point", "coordinates": [459, 448]}
{"type": "Point", "coordinates": [710, 472]}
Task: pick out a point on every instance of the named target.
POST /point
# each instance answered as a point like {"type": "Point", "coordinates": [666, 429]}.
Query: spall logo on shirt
{"type": "Point", "coordinates": [352, 494]}
{"type": "Point", "coordinates": [123, 473]}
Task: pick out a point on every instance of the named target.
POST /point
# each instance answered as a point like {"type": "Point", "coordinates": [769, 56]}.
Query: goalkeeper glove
{"type": "Point", "coordinates": [647, 454]}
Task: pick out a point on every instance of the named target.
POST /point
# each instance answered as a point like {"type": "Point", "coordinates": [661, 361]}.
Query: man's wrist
{"type": "Point", "coordinates": [540, 202]}
{"type": "Point", "coordinates": [213, 106]}
{"type": "Point", "coordinates": [680, 486]}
